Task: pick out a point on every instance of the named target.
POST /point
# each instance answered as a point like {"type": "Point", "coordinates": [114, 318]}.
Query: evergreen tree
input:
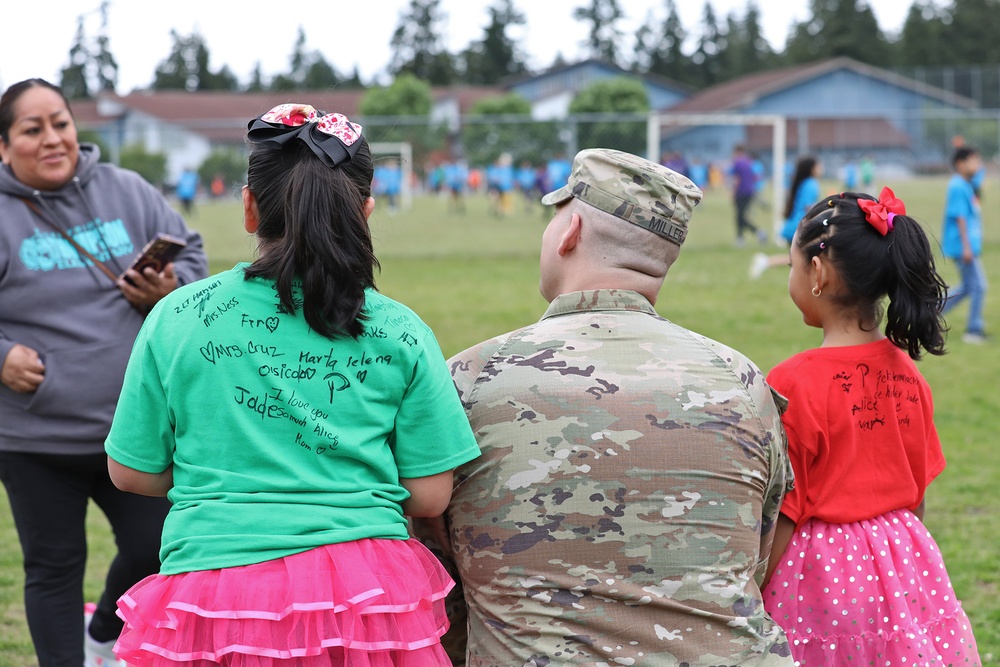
{"type": "Point", "coordinates": [646, 44]}
{"type": "Point", "coordinates": [105, 65]}
{"type": "Point", "coordinates": [747, 51]}
{"type": "Point", "coordinates": [73, 78]}
{"type": "Point", "coordinates": [417, 47]}
{"type": "Point", "coordinates": [604, 37]}
{"type": "Point", "coordinates": [727, 63]}
{"type": "Point", "coordinates": [187, 67]}
{"type": "Point", "coordinates": [295, 78]}
{"type": "Point", "coordinates": [711, 44]}
{"type": "Point", "coordinates": [92, 68]}
{"type": "Point", "coordinates": [354, 81]}
{"type": "Point", "coordinates": [839, 28]}
{"type": "Point", "coordinates": [970, 30]}
{"type": "Point", "coordinates": [308, 70]}
{"type": "Point", "coordinates": [320, 74]}
{"type": "Point", "coordinates": [298, 59]}
{"type": "Point", "coordinates": [223, 79]}
{"type": "Point", "coordinates": [256, 83]}
{"type": "Point", "coordinates": [669, 60]}
{"type": "Point", "coordinates": [496, 55]}
{"type": "Point", "coordinates": [920, 42]}
{"type": "Point", "coordinates": [759, 54]}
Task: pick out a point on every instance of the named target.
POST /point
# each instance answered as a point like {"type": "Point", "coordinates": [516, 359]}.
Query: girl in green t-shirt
{"type": "Point", "coordinates": [294, 417]}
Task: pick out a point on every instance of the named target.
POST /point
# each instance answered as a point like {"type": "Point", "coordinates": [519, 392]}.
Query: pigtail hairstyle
{"type": "Point", "coordinates": [311, 219]}
{"type": "Point", "coordinates": [899, 264]}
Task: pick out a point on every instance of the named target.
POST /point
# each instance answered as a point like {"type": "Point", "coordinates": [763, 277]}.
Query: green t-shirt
{"type": "Point", "coordinates": [282, 440]}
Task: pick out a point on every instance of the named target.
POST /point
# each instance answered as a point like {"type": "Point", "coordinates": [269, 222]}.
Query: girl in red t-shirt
{"type": "Point", "coordinates": [856, 578]}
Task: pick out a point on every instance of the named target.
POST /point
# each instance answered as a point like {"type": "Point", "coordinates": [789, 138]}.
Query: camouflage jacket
{"type": "Point", "coordinates": [623, 508]}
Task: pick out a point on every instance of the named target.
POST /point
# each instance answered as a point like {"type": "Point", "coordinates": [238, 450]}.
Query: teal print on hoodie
{"type": "Point", "coordinates": [47, 251]}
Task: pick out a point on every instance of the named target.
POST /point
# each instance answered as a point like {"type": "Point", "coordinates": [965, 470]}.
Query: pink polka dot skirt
{"type": "Point", "coordinates": [873, 593]}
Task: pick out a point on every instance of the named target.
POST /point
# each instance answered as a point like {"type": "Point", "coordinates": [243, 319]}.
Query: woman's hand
{"type": "Point", "coordinates": [148, 287]}
{"type": "Point", "coordinates": [22, 370]}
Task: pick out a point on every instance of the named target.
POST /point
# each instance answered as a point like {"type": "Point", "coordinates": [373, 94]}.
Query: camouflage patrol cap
{"type": "Point", "coordinates": [633, 189]}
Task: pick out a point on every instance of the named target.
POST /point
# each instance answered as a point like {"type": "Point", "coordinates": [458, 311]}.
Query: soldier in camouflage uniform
{"type": "Point", "coordinates": [623, 507]}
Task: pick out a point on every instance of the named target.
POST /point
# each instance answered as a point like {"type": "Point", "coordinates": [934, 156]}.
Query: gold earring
{"type": "Point", "coordinates": [816, 291]}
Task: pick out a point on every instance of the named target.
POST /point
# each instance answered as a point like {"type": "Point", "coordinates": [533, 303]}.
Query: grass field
{"type": "Point", "coordinates": [473, 276]}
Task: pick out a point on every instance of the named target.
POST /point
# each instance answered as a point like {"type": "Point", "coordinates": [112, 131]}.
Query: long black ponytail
{"type": "Point", "coordinates": [313, 229]}
{"type": "Point", "coordinates": [803, 170]}
{"type": "Point", "coordinates": [899, 265]}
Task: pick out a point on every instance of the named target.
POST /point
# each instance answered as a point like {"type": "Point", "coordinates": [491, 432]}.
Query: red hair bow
{"type": "Point", "coordinates": [880, 213]}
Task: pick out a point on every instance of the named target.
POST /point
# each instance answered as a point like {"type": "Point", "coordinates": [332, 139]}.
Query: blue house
{"type": "Point", "coordinates": [552, 91]}
{"type": "Point", "coordinates": [839, 109]}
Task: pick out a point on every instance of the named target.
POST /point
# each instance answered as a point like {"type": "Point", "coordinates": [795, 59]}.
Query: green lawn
{"type": "Point", "coordinates": [473, 276]}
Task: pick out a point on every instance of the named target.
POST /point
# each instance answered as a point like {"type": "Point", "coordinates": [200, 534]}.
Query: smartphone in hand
{"type": "Point", "coordinates": [156, 254]}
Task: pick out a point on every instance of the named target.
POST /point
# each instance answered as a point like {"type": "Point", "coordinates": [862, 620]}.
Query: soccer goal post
{"type": "Point", "coordinates": [405, 152]}
{"type": "Point", "coordinates": [778, 146]}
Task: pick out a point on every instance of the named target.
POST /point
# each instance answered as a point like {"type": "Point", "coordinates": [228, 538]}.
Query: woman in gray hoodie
{"type": "Point", "coordinates": [69, 226]}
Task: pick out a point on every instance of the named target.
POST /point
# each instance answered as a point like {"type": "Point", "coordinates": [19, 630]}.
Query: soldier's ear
{"type": "Point", "coordinates": [570, 236]}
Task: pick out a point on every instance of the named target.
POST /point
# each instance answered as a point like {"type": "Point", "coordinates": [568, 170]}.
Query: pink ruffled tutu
{"type": "Point", "coordinates": [368, 603]}
{"type": "Point", "coordinates": [873, 592]}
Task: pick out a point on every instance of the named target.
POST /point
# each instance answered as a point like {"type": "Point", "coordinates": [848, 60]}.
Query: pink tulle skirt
{"type": "Point", "coordinates": [368, 603]}
{"type": "Point", "coordinates": [873, 592]}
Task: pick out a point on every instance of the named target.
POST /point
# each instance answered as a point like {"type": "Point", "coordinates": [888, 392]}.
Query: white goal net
{"type": "Point", "coordinates": [398, 154]}
{"type": "Point", "coordinates": [654, 132]}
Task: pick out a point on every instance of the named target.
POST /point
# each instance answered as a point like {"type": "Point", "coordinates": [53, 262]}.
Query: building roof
{"type": "Point", "coordinates": [221, 116]}
{"type": "Point", "coordinates": [746, 91]}
{"type": "Point", "coordinates": [85, 112]}
{"type": "Point", "coordinates": [652, 79]}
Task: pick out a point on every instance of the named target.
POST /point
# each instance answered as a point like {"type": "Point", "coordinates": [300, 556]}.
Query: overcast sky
{"type": "Point", "coordinates": [37, 37]}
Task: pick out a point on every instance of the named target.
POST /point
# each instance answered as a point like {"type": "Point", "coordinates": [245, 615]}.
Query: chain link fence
{"type": "Point", "coordinates": [980, 83]}
{"type": "Point", "coordinates": [915, 142]}
{"type": "Point", "coordinates": [902, 143]}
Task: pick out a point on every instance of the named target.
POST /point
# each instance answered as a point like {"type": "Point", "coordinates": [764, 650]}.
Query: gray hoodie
{"type": "Point", "coordinates": [58, 303]}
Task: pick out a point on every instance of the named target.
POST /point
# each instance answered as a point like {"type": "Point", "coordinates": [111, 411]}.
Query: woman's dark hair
{"type": "Point", "coordinates": [803, 170]}
{"type": "Point", "coordinates": [311, 220]}
{"type": "Point", "coordinates": [13, 94]}
{"type": "Point", "coordinates": [899, 265]}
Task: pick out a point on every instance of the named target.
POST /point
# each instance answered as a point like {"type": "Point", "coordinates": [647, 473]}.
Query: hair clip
{"type": "Point", "coordinates": [829, 202]}
{"type": "Point", "coordinates": [331, 137]}
{"type": "Point", "coordinates": [822, 246]}
{"type": "Point", "coordinates": [826, 222]}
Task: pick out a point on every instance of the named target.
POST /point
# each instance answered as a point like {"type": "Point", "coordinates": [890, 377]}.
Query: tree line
{"type": "Point", "coordinates": [717, 49]}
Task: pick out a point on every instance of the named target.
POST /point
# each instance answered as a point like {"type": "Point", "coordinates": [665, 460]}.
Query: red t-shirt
{"type": "Point", "coordinates": [861, 434]}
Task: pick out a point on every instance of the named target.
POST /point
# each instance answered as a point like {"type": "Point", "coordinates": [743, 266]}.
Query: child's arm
{"type": "Point", "coordinates": [963, 233]}
{"type": "Point", "coordinates": [783, 533]}
{"type": "Point", "coordinates": [143, 483]}
{"type": "Point", "coordinates": [429, 496]}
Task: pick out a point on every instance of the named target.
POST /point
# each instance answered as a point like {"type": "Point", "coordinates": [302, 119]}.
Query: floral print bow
{"type": "Point", "coordinates": [332, 137]}
{"type": "Point", "coordinates": [879, 214]}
